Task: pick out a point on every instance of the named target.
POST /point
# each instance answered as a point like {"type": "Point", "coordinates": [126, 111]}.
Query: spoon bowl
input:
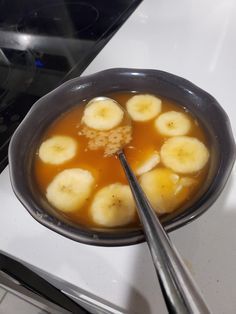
{"type": "Point", "coordinates": [122, 133]}
{"type": "Point", "coordinates": [126, 119]}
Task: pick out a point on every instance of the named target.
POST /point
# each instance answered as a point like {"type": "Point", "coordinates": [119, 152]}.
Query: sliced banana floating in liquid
{"type": "Point", "coordinates": [102, 114]}
{"type": "Point", "coordinates": [165, 189]}
{"type": "Point", "coordinates": [58, 149]}
{"type": "Point", "coordinates": [113, 206]}
{"type": "Point", "coordinates": [151, 162]}
{"type": "Point", "coordinates": [70, 189]}
{"type": "Point", "coordinates": [143, 107]}
{"type": "Point", "coordinates": [173, 123]}
{"type": "Point", "coordinates": [184, 154]}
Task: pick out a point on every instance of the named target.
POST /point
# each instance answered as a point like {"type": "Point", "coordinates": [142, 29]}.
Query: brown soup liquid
{"type": "Point", "coordinates": [107, 170]}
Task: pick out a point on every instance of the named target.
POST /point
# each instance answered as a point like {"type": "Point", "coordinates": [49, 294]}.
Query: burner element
{"type": "Point", "coordinates": [64, 20]}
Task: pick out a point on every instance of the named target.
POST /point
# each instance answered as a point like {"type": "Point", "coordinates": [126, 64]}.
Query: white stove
{"type": "Point", "coordinates": [195, 40]}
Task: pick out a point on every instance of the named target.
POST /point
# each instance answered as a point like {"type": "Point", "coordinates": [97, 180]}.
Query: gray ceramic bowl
{"type": "Point", "coordinates": [26, 138]}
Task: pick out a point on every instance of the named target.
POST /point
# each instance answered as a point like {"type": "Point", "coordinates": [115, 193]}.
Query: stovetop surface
{"type": "Point", "coordinates": [43, 44]}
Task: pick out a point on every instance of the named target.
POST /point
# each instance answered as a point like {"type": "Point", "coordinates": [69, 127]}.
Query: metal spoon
{"type": "Point", "coordinates": [179, 290]}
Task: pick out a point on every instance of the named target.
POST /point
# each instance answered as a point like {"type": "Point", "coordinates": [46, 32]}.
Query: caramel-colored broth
{"type": "Point", "coordinates": [107, 170]}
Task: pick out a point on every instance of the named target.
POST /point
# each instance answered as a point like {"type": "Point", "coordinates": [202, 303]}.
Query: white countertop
{"type": "Point", "coordinates": [193, 39]}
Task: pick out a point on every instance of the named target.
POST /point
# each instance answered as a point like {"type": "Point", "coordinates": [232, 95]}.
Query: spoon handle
{"type": "Point", "coordinates": [179, 290]}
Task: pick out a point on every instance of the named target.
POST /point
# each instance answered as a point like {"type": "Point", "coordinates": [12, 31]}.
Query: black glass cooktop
{"type": "Point", "coordinates": [44, 43]}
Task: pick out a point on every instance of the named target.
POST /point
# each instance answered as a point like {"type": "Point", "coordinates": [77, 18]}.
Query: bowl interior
{"type": "Point", "coordinates": [203, 106]}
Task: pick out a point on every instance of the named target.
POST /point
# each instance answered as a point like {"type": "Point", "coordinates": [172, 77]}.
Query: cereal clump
{"type": "Point", "coordinates": [111, 141]}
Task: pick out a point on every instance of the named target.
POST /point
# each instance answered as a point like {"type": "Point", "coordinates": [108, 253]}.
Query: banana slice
{"type": "Point", "coordinates": [163, 189]}
{"type": "Point", "coordinates": [58, 149]}
{"type": "Point", "coordinates": [148, 164]}
{"type": "Point", "coordinates": [103, 115]}
{"type": "Point", "coordinates": [173, 123]}
{"type": "Point", "coordinates": [113, 206]}
{"type": "Point", "coordinates": [70, 189]}
{"type": "Point", "coordinates": [143, 107]}
{"type": "Point", "coordinates": [186, 181]}
{"type": "Point", "coordinates": [184, 154]}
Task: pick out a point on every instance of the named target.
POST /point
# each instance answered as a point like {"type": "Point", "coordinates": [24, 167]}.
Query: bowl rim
{"type": "Point", "coordinates": [107, 238]}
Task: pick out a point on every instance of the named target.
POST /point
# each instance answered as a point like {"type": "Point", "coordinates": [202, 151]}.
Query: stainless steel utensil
{"type": "Point", "coordinates": [179, 290]}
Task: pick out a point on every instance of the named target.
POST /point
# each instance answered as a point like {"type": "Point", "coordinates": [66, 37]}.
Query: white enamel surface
{"type": "Point", "coordinates": [193, 39]}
